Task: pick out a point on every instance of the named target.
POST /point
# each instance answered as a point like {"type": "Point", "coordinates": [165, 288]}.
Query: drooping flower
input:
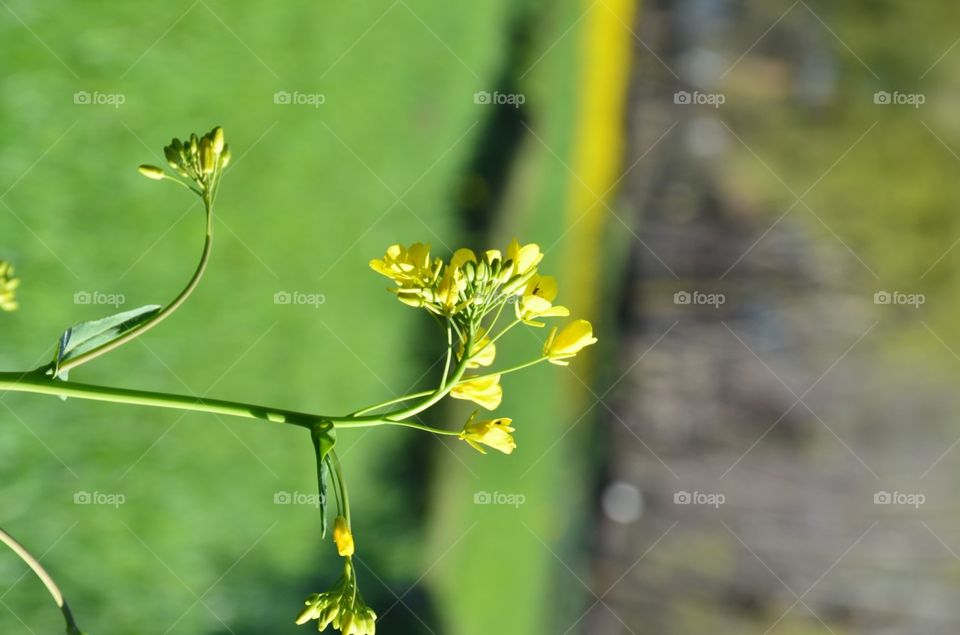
{"type": "Point", "coordinates": [495, 433]}
{"type": "Point", "coordinates": [537, 301]}
{"type": "Point", "coordinates": [8, 287]}
{"type": "Point", "coordinates": [343, 537]}
{"type": "Point", "coordinates": [566, 343]}
{"type": "Point", "coordinates": [485, 391]}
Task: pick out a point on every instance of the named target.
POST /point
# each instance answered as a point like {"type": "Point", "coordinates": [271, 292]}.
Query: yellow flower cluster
{"type": "Point", "coordinates": [466, 287]}
{"type": "Point", "coordinates": [8, 287]}
{"type": "Point", "coordinates": [469, 293]}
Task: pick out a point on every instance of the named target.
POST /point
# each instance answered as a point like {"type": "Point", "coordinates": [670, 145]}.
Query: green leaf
{"type": "Point", "coordinates": [324, 437]}
{"type": "Point", "coordinates": [87, 336]}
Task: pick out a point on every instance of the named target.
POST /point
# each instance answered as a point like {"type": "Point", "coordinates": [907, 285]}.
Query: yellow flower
{"type": "Point", "coordinates": [409, 267]}
{"type": "Point", "coordinates": [567, 343]}
{"type": "Point", "coordinates": [343, 537]}
{"type": "Point", "coordinates": [494, 433]}
{"type": "Point", "coordinates": [537, 301]}
{"type": "Point", "coordinates": [483, 351]}
{"type": "Point", "coordinates": [485, 391]}
{"type": "Point", "coordinates": [447, 295]}
{"type": "Point", "coordinates": [524, 258]}
{"type": "Point", "coordinates": [461, 257]}
{"type": "Point", "coordinates": [8, 285]}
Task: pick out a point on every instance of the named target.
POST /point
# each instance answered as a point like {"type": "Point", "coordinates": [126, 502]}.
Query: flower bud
{"type": "Point", "coordinates": [470, 271]}
{"type": "Point", "coordinates": [152, 172]}
{"type": "Point", "coordinates": [173, 155]}
{"type": "Point", "coordinates": [329, 615]}
{"type": "Point", "coordinates": [225, 157]}
{"type": "Point", "coordinates": [482, 270]}
{"type": "Point", "coordinates": [343, 537]}
{"type": "Point", "coordinates": [207, 157]}
{"type": "Point", "coordinates": [505, 272]}
{"type": "Point", "coordinates": [218, 142]}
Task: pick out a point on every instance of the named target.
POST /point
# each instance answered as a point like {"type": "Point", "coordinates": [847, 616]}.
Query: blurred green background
{"type": "Point", "coordinates": [398, 151]}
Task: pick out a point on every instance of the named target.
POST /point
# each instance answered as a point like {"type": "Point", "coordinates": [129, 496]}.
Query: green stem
{"type": "Point", "coordinates": [36, 382]}
{"type": "Point", "coordinates": [164, 313]}
{"type": "Point", "coordinates": [512, 369]}
{"type": "Point", "coordinates": [442, 391]}
{"type": "Point", "coordinates": [446, 365]}
{"type": "Point", "coordinates": [383, 420]}
{"type": "Point", "coordinates": [390, 402]}
{"type": "Point", "coordinates": [504, 331]}
{"type": "Point", "coordinates": [37, 568]}
{"type": "Point", "coordinates": [335, 461]}
{"type": "Point", "coordinates": [182, 184]}
{"type": "Point", "coordinates": [426, 393]}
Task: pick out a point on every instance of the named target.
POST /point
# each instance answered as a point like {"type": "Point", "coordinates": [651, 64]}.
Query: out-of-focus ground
{"type": "Point", "coordinates": [782, 432]}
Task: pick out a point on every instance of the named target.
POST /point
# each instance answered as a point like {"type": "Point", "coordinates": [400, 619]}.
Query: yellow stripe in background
{"type": "Point", "coordinates": [599, 140]}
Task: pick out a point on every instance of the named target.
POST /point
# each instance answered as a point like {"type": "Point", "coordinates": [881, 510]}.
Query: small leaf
{"type": "Point", "coordinates": [87, 336]}
{"type": "Point", "coordinates": [324, 437]}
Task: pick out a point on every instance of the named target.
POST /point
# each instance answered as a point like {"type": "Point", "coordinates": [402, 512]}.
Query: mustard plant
{"type": "Point", "coordinates": [474, 298]}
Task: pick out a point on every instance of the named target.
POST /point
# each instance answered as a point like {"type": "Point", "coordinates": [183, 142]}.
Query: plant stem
{"type": "Point", "coordinates": [164, 313]}
{"type": "Point", "coordinates": [512, 369]}
{"type": "Point", "coordinates": [383, 420]}
{"type": "Point", "coordinates": [446, 365]}
{"type": "Point", "coordinates": [37, 383]}
{"type": "Point", "coordinates": [426, 393]}
{"type": "Point", "coordinates": [390, 402]}
{"type": "Point", "coordinates": [504, 331]}
{"type": "Point", "coordinates": [442, 391]}
{"type": "Point", "coordinates": [335, 461]}
{"type": "Point", "coordinates": [45, 577]}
